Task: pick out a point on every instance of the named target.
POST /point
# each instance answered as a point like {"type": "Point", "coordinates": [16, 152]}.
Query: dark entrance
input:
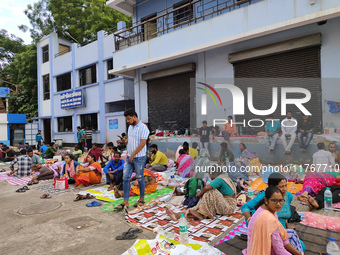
{"type": "Point", "coordinates": [299, 68]}
{"type": "Point", "coordinates": [47, 131]}
{"type": "Point", "coordinates": [169, 102]}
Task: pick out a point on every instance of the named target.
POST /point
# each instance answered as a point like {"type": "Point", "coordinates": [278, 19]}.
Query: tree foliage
{"type": "Point", "coordinates": [80, 18]}
{"type": "Point", "coordinates": [9, 45]}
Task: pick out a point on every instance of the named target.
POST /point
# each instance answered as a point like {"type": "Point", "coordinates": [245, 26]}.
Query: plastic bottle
{"type": "Point", "coordinates": [40, 155]}
{"type": "Point", "coordinates": [183, 230]}
{"type": "Point", "coordinates": [250, 191]}
{"type": "Point", "coordinates": [164, 133]}
{"type": "Point", "coordinates": [332, 248]}
{"type": "Point", "coordinates": [328, 200]}
{"type": "Point", "coordinates": [186, 132]}
{"type": "Point", "coordinates": [326, 129]}
{"type": "Point", "coordinates": [42, 161]}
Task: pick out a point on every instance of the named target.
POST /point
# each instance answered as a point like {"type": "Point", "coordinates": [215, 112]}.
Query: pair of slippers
{"type": "Point", "coordinates": [93, 204]}
{"type": "Point", "coordinates": [23, 189]}
{"type": "Point", "coordinates": [45, 196]}
{"type": "Point", "coordinates": [33, 182]}
{"type": "Point", "coordinates": [81, 197]}
{"type": "Point", "coordinates": [2, 170]}
{"type": "Point", "coordinates": [130, 234]}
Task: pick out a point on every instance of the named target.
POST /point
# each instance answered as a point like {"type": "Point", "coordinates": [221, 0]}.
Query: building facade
{"type": "Point", "coordinates": [176, 48]}
{"type": "Point", "coordinates": [75, 89]}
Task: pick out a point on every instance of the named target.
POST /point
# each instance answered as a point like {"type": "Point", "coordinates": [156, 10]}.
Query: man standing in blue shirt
{"type": "Point", "coordinates": [114, 171]}
{"type": "Point", "coordinates": [81, 138]}
{"type": "Point", "coordinates": [273, 131]}
{"type": "Point", "coordinates": [38, 139]}
{"type": "Point", "coordinates": [136, 145]}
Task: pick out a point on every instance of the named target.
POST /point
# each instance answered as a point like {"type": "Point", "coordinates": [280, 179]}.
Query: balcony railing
{"type": "Point", "coordinates": [174, 18]}
{"type": "Point", "coordinates": [60, 53]}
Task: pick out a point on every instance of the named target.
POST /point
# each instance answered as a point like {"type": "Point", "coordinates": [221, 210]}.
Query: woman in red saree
{"type": "Point", "coordinates": [91, 174]}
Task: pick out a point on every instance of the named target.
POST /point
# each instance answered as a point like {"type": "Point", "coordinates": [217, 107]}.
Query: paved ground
{"type": "Point", "coordinates": [26, 227]}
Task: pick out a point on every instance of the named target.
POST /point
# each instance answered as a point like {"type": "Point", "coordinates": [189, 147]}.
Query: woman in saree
{"type": "Point", "coordinates": [87, 174]}
{"type": "Point", "coordinates": [216, 198]}
{"type": "Point", "coordinates": [69, 168]}
{"type": "Point", "coordinates": [202, 162]}
{"type": "Point", "coordinates": [266, 235]}
{"type": "Point", "coordinates": [279, 181]}
{"type": "Point", "coordinates": [185, 164]}
{"type": "Point", "coordinates": [242, 153]}
{"type": "Point", "coordinates": [314, 182]}
{"type": "Point", "coordinates": [150, 185]}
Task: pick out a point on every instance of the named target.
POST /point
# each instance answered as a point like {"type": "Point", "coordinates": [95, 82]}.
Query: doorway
{"type": "Point", "coordinates": [47, 131]}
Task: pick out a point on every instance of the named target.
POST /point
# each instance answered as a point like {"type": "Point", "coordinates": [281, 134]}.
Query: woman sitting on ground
{"type": "Point", "coordinates": [266, 235]}
{"type": "Point", "coordinates": [242, 153]}
{"type": "Point", "coordinates": [279, 181]}
{"type": "Point", "coordinates": [314, 182]}
{"type": "Point", "coordinates": [185, 164]}
{"type": "Point", "coordinates": [47, 173]}
{"type": "Point", "coordinates": [87, 174]}
{"type": "Point", "coordinates": [69, 168]}
{"type": "Point", "coordinates": [150, 185]}
{"type": "Point", "coordinates": [218, 197]}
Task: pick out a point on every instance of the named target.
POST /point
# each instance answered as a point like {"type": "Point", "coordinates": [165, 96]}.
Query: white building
{"type": "Point", "coordinates": [75, 89]}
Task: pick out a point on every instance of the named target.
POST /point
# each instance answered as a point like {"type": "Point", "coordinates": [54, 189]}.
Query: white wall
{"type": "Point", "coordinates": [113, 90]}
{"type": "Point", "coordinates": [108, 46]}
{"type": "Point", "coordinates": [86, 55]}
{"type": "Point", "coordinates": [46, 108]}
{"type": "Point", "coordinates": [3, 127]}
{"type": "Point", "coordinates": [111, 134]}
{"type": "Point", "coordinates": [62, 64]}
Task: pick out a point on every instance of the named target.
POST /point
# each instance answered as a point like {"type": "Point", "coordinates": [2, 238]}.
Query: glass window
{"type": "Point", "coordinates": [46, 85]}
{"type": "Point", "coordinates": [87, 75]}
{"type": "Point", "coordinates": [45, 54]}
{"type": "Point", "coordinates": [64, 82]}
{"type": "Point", "coordinates": [89, 120]}
{"type": "Point", "coordinates": [110, 67]}
{"type": "Point", "coordinates": [65, 124]}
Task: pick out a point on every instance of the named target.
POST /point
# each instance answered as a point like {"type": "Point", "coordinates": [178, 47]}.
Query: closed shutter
{"type": "Point", "coordinates": [169, 102]}
{"type": "Point", "coordinates": [300, 68]}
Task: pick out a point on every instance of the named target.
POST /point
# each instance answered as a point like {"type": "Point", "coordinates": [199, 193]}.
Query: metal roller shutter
{"type": "Point", "coordinates": [300, 68]}
{"type": "Point", "coordinates": [169, 102]}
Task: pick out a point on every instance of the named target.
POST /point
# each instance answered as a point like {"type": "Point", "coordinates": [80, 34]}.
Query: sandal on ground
{"type": "Point", "coordinates": [93, 204]}
{"type": "Point", "coordinates": [79, 197]}
{"type": "Point", "coordinates": [134, 231]}
{"type": "Point", "coordinates": [30, 183]}
{"type": "Point", "coordinates": [139, 202]}
{"type": "Point", "coordinates": [89, 196]}
{"type": "Point", "coordinates": [35, 182]}
{"type": "Point", "coordinates": [2, 170]}
{"type": "Point", "coordinates": [47, 196]}
{"type": "Point", "coordinates": [120, 207]}
{"type": "Point", "coordinates": [20, 190]}
{"type": "Point", "coordinates": [126, 236]}
{"type": "Point", "coordinates": [25, 188]}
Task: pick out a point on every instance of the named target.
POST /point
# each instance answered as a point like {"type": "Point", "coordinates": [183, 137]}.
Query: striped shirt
{"type": "Point", "coordinates": [24, 165]}
{"type": "Point", "coordinates": [88, 134]}
{"type": "Point", "coordinates": [135, 135]}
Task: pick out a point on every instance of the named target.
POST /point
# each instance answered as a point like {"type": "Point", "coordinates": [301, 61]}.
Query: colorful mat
{"type": "Point", "coordinates": [101, 193]}
{"type": "Point", "coordinates": [155, 219]}
{"type": "Point", "coordinates": [238, 230]}
{"type": "Point", "coordinates": [259, 184]}
{"type": "Point", "coordinates": [4, 176]}
{"type": "Point", "coordinates": [133, 200]}
{"type": "Point", "coordinates": [13, 180]}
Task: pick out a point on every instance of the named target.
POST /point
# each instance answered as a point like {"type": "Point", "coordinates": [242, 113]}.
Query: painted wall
{"type": "Point", "coordinates": [86, 55]}
{"type": "Point", "coordinates": [108, 46]}
{"type": "Point", "coordinates": [62, 64]}
{"type": "Point", "coordinates": [4, 129]}
{"type": "Point", "coordinates": [227, 28]}
{"type": "Point", "coordinates": [46, 108]}
{"type": "Point", "coordinates": [112, 130]}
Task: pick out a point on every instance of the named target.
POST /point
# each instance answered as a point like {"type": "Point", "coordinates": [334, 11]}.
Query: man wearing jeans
{"type": "Point", "coordinates": [305, 129]}
{"type": "Point", "coordinates": [289, 126]}
{"type": "Point", "coordinates": [272, 130]}
{"type": "Point", "coordinates": [136, 145]}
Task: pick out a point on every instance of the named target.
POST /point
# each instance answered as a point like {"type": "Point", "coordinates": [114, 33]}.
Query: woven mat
{"type": "Point", "coordinates": [4, 176]}
{"type": "Point", "coordinates": [133, 200]}
{"type": "Point", "coordinates": [238, 230]}
{"type": "Point", "coordinates": [14, 180]}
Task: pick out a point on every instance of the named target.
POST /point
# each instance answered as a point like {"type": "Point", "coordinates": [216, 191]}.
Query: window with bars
{"type": "Point", "coordinates": [90, 120]}
{"type": "Point", "coordinates": [46, 86]}
{"type": "Point", "coordinates": [65, 124]}
{"type": "Point", "coordinates": [87, 75]}
{"type": "Point", "coordinates": [184, 14]}
{"type": "Point", "coordinates": [110, 67]}
{"type": "Point", "coordinates": [64, 82]}
{"type": "Point", "coordinates": [45, 57]}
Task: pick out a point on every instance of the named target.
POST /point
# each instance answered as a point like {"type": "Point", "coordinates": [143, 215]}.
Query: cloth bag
{"type": "Point", "coordinates": [61, 183]}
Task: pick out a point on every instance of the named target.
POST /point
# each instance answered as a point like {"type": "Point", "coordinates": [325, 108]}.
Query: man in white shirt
{"type": "Point", "coordinates": [322, 159]}
{"type": "Point", "coordinates": [288, 127]}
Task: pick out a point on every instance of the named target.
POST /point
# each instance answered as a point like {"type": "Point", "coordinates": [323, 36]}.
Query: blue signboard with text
{"type": "Point", "coordinates": [72, 99]}
{"type": "Point", "coordinates": [4, 92]}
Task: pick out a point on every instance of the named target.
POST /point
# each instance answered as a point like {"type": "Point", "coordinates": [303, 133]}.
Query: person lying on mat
{"type": "Point", "coordinates": [218, 197]}
{"type": "Point", "coordinates": [70, 167]}
{"type": "Point", "coordinates": [314, 182]}
{"type": "Point", "coordinates": [47, 173]}
{"type": "Point", "coordinates": [266, 235]}
{"type": "Point", "coordinates": [86, 174]}
{"type": "Point", "coordinates": [150, 185]}
{"type": "Point", "coordinates": [318, 201]}
{"type": "Point", "coordinates": [279, 181]}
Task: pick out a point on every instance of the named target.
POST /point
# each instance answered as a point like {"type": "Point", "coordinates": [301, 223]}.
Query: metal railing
{"type": "Point", "coordinates": [62, 52]}
{"type": "Point", "coordinates": [174, 18]}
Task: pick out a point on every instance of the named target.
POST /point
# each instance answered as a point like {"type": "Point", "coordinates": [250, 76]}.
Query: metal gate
{"type": "Point", "coordinates": [300, 68]}
{"type": "Point", "coordinates": [169, 102]}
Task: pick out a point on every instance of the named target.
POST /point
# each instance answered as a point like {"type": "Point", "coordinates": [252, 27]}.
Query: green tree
{"type": "Point", "coordinates": [10, 44]}
{"type": "Point", "coordinates": [81, 18]}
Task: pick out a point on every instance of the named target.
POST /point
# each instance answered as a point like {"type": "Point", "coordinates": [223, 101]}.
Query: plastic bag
{"type": "Point", "coordinates": [61, 183]}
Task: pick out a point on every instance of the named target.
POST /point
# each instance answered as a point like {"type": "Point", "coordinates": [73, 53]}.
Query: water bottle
{"type": "Point", "coordinates": [332, 248]}
{"type": "Point", "coordinates": [328, 200]}
{"type": "Point", "coordinates": [164, 133]}
{"type": "Point", "coordinates": [186, 132]}
{"type": "Point", "coordinates": [183, 230]}
{"type": "Point", "coordinates": [250, 191]}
